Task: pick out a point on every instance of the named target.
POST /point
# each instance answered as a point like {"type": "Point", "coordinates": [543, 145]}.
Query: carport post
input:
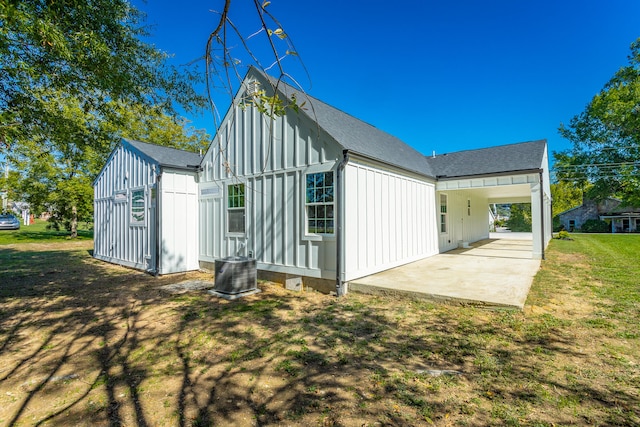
{"type": "Point", "coordinates": [537, 218]}
{"type": "Point", "coordinates": [542, 216]}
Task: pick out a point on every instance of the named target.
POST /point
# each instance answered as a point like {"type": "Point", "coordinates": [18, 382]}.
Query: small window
{"type": "Point", "coordinates": [137, 207]}
{"type": "Point", "coordinates": [319, 203]}
{"type": "Point", "coordinates": [468, 207]}
{"type": "Point", "coordinates": [443, 213]}
{"type": "Point", "coordinates": [120, 197]}
{"type": "Point", "coordinates": [235, 208]}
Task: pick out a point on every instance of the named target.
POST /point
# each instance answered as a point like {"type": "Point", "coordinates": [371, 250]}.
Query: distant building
{"type": "Point", "coordinates": [621, 219]}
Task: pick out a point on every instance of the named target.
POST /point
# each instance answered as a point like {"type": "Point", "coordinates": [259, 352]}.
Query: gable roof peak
{"type": "Point", "coordinates": [351, 133]}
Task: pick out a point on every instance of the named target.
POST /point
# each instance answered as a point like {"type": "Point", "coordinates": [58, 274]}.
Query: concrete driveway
{"type": "Point", "coordinates": [493, 272]}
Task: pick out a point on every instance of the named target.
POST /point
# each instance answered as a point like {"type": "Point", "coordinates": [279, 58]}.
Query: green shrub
{"type": "Point", "coordinates": [595, 226]}
{"type": "Point", "coordinates": [564, 235]}
{"type": "Point", "coordinates": [557, 225]}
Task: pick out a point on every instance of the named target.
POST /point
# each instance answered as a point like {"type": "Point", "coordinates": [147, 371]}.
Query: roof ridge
{"type": "Point", "coordinates": [162, 147]}
{"type": "Point", "coordinates": [380, 145]}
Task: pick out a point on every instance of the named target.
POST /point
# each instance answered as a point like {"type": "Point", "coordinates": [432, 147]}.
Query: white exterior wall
{"type": "Point", "coordinates": [523, 188]}
{"type": "Point", "coordinates": [464, 223]}
{"type": "Point", "coordinates": [547, 201]}
{"type": "Point", "coordinates": [271, 158]}
{"type": "Point", "coordinates": [116, 240]}
{"type": "Point", "coordinates": [179, 221]}
{"type": "Point", "coordinates": [390, 219]}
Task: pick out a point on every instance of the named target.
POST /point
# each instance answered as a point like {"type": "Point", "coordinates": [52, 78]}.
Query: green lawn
{"type": "Point", "coordinates": [38, 233]}
{"type": "Point", "coordinates": [87, 343]}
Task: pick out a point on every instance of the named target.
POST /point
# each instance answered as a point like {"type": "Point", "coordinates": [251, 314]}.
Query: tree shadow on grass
{"type": "Point", "coordinates": [115, 350]}
{"type": "Point", "coordinates": [62, 321]}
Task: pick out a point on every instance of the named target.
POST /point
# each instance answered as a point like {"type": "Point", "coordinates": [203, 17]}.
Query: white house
{"type": "Point", "coordinates": [145, 208]}
{"type": "Point", "coordinates": [323, 197]}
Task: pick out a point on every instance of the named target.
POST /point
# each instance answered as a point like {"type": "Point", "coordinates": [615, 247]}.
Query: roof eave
{"type": "Point", "coordinates": [195, 168]}
{"type": "Point", "coordinates": [393, 165]}
{"type": "Point", "coordinates": [484, 175]}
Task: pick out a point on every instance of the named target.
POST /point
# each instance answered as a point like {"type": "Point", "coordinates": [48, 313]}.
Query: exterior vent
{"type": "Point", "coordinates": [253, 87]}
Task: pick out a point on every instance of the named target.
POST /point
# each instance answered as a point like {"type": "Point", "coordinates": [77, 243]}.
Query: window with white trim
{"type": "Point", "coordinates": [120, 197]}
{"type": "Point", "coordinates": [235, 208]}
{"type": "Point", "coordinates": [320, 203]}
{"type": "Point", "coordinates": [137, 207]}
{"type": "Point", "coordinates": [443, 213]}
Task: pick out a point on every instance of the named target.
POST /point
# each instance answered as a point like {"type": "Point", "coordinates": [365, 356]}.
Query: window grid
{"type": "Point", "coordinates": [320, 203]}
{"type": "Point", "coordinates": [443, 213]}
{"type": "Point", "coordinates": [235, 208]}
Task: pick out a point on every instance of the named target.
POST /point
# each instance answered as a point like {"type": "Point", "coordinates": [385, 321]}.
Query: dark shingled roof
{"type": "Point", "coordinates": [355, 135]}
{"type": "Point", "coordinates": [166, 156]}
{"type": "Point", "coordinates": [524, 156]}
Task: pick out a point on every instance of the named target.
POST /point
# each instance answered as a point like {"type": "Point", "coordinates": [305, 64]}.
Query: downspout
{"type": "Point", "coordinates": [157, 225]}
{"type": "Point", "coordinates": [542, 217]}
{"type": "Point", "coordinates": [340, 286]}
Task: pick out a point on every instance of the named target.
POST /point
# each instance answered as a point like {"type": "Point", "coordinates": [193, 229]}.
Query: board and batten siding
{"type": "Point", "coordinates": [116, 240]}
{"type": "Point", "coordinates": [390, 219]}
{"type": "Point", "coordinates": [271, 158]}
{"type": "Point", "coordinates": [467, 218]}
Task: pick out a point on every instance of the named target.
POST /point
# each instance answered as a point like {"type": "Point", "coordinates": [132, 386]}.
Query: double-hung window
{"type": "Point", "coordinates": [235, 208]}
{"type": "Point", "coordinates": [320, 203]}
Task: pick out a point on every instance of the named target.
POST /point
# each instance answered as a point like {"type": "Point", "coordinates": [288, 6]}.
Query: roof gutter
{"type": "Point", "coordinates": [341, 288]}
{"type": "Point", "coordinates": [156, 244]}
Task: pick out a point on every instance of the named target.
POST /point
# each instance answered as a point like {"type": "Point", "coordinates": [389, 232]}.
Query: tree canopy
{"type": "Point", "coordinates": [565, 196]}
{"type": "Point", "coordinates": [85, 55]}
{"type": "Point", "coordinates": [520, 217]}
{"type": "Point", "coordinates": [74, 78]}
{"type": "Point", "coordinates": [605, 158]}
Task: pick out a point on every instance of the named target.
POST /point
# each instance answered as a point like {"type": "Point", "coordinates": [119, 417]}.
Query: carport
{"type": "Point", "coordinates": [469, 181]}
{"type": "Point", "coordinates": [495, 272]}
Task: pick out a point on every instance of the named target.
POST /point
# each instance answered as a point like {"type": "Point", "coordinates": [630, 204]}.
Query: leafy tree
{"type": "Point", "coordinates": [152, 125]}
{"type": "Point", "coordinates": [520, 217]}
{"type": "Point", "coordinates": [606, 139]}
{"type": "Point", "coordinates": [74, 77]}
{"type": "Point", "coordinates": [565, 196]}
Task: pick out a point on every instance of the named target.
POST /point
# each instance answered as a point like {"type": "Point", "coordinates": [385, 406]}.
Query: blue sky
{"type": "Point", "coordinates": [443, 76]}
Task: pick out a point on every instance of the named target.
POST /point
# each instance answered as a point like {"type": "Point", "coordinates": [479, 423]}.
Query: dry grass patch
{"type": "Point", "coordinates": [87, 343]}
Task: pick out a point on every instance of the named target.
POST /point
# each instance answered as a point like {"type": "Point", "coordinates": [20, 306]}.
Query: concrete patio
{"type": "Point", "coordinates": [495, 272]}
